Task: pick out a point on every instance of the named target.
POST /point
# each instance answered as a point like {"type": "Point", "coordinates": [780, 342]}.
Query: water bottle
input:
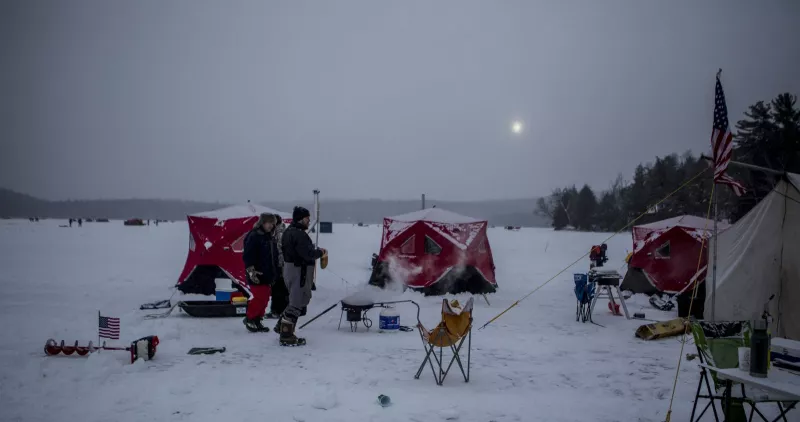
{"type": "Point", "coordinates": [759, 349]}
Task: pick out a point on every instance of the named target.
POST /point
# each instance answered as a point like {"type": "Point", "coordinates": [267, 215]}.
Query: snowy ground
{"type": "Point", "coordinates": [534, 363]}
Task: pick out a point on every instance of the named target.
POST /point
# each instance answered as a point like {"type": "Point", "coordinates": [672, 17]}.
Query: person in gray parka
{"type": "Point", "coordinates": [299, 256]}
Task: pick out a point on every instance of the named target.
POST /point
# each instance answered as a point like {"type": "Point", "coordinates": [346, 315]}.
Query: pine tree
{"type": "Point", "coordinates": [608, 212]}
{"type": "Point", "coordinates": [560, 213]}
{"type": "Point", "coordinates": [586, 206]}
{"type": "Point", "coordinates": [786, 141]}
{"type": "Point", "coordinates": [636, 198]}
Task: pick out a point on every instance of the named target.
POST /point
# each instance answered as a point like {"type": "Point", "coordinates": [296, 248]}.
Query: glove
{"type": "Point", "coordinates": [253, 275]}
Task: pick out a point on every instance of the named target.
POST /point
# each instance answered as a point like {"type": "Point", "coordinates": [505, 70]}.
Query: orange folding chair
{"type": "Point", "coordinates": [451, 332]}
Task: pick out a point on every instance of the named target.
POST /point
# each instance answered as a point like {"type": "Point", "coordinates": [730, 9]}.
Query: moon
{"type": "Point", "coordinates": [516, 127]}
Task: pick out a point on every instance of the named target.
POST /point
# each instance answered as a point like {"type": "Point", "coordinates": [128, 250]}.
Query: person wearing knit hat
{"type": "Point", "coordinates": [280, 295]}
{"type": "Point", "coordinates": [260, 257]}
{"type": "Point", "coordinates": [299, 256]}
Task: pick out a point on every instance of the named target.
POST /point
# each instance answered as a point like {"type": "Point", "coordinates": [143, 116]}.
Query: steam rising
{"type": "Point", "coordinates": [399, 272]}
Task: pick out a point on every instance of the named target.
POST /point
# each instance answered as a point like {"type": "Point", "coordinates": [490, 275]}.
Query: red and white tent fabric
{"type": "Point", "coordinates": [216, 242]}
{"type": "Point", "coordinates": [697, 227]}
{"type": "Point", "coordinates": [436, 251]}
{"type": "Point", "coordinates": [666, 254]}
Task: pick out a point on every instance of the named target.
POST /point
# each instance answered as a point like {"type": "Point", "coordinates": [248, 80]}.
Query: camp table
{"type": "Point", "coordinates": [780, 382]}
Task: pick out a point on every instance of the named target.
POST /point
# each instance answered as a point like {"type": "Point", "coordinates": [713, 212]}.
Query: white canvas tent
{"type": "Point", "coordinates": [760, 256]}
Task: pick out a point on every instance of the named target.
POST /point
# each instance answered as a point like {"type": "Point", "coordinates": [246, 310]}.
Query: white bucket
{"type": "Point", "coordinates": [223, 284]}
{"type": "Point", "coordinates": [389, 320]}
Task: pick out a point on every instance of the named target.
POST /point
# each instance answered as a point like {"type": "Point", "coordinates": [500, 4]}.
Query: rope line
{"type": "Point", "coordinates": [691, 302]}
{"type": "Point", "coordinates": [587, 253]}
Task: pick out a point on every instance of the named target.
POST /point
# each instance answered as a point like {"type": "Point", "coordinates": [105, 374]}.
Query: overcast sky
{"type": "Point", "coordinates": [229, 100]}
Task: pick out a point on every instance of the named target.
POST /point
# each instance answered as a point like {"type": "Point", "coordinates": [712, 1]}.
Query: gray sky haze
{"type": "Point", "coordinates": [225, 101]}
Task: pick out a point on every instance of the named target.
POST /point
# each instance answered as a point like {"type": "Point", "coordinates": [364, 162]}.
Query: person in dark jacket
{"type": "Point", "coordinates": [261, 264]}
{"type": "Point", "coordinates": [299, 256]}
{"type": "Point", "coordinates": [280, 295]}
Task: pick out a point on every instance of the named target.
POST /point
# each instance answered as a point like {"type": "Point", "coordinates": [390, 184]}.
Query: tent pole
{"type": "Point", "coordinates": [714, 265]}
{"type": "Point", "coordinates": [747, 166]}
{"type": "Point", "coordinates": [316, 216]}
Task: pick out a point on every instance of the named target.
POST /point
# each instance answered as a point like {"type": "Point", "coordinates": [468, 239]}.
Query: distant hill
{"type": "Point", "coordinates": [516, 212]}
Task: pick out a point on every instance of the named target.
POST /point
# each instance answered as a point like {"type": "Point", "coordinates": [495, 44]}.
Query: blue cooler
{"type": "Point", "coordinates": [224, 295]}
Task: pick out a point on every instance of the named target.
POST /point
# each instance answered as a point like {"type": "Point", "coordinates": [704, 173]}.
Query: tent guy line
{"type": "Point", "coordinates": [631, 223]}
{"type": "Point", "coordinates": [691, 303]}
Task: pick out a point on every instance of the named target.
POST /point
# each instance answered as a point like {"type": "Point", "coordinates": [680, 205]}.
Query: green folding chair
{"type": "Point", "coordinates": [717, 345]}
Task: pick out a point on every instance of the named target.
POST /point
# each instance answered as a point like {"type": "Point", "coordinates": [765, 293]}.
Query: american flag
{"type": "Point", "coordinates": [734, 184]}
{"type": "Point", "coordinates": [722, 142]}
{"type": "Point", "coordinates": [108, 327]}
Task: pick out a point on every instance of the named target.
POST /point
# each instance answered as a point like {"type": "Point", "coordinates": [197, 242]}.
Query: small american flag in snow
{"type": "Point", "coordinates": [108, 327]}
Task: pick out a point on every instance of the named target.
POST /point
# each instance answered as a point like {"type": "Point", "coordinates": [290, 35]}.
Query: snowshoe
{"type": "Point", "coordinates": [206, 350]}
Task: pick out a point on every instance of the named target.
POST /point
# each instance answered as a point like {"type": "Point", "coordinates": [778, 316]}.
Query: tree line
{"type": "Point", "coordinates": [768, 136]}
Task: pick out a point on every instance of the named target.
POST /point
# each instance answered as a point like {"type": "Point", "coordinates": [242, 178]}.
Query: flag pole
{"type": "Point", "coordinates": [716, 240]}
{"type": "Point", "coordinates": [714, 265]}
{"type": "Point", "coordinates": [98, 328]}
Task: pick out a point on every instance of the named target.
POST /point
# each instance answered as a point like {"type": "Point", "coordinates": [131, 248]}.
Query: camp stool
{"type": "Point", "coordinates": [584, 292]}
{"type": "Point", "coordinates": [451, 332]}
{"type": "Point", "coordinates": [717, 345]}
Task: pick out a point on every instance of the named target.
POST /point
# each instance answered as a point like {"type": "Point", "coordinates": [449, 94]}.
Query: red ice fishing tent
{"type": "Point", "coordinates": [666, 253]}
{"type": "Point", "coordinates": [216, 241]}
{"type": "Point", "coordinates": [437, 252]}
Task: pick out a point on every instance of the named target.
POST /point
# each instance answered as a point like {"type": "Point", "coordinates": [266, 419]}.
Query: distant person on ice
{"type": "Point", "coordinates": [299, 255]}
{"type": "Point", "coordinates": [280, 294]}
{"type": "Point", "coordinates": [261, 264]}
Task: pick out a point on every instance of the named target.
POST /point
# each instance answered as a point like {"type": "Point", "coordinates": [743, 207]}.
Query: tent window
{"type": "Point", "coordinates": [663, 251]}
{"type": "Point", "coordinates": [482, 246]}
{"type": "Point", "coordinates": [408, 246]}
{"type": "Point", "coordinates": [238, 245]}
{"type": "Point", "coordinates": [431, 247]}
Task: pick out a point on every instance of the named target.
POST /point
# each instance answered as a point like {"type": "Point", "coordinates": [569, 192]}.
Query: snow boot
{"type": "Point", "coordinates": [272, 316]}
{"type": "Point", "coordinates": [255, 326]}
{"type": "Point", "coordinates": [287, 334]}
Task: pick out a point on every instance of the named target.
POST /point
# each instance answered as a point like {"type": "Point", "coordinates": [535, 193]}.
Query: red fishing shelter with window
{"type": "Point", "coordinates": [216, 242]}
{"type": "Point", "coordinates": [436, 251]}
{"type": "Point", "coordinates": [666, 254]}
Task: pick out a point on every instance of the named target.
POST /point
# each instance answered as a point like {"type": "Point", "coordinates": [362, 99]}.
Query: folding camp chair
{"type": "Point", "coordinates": [584, 293]}
{"type": "Point", "coordinates": [717, 344]}
{"type": "Point", "coordinates": [451, 332]}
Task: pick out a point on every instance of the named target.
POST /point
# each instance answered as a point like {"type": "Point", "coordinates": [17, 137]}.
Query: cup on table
{"type": "Point", "coordinates": [744, 358]}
